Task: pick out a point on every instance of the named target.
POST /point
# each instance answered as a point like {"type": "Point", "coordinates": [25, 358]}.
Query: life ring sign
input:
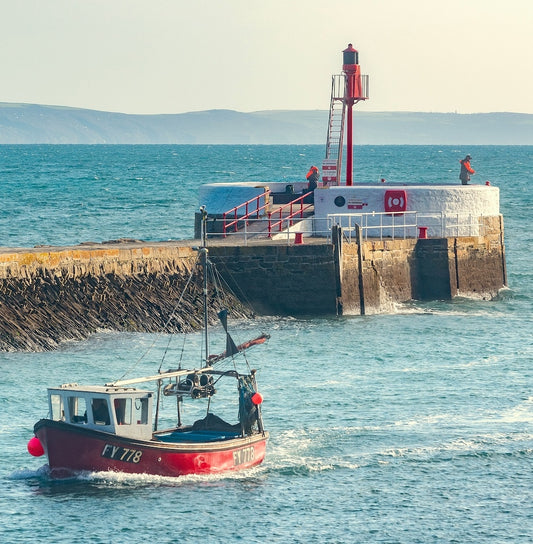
{"type": "Point", "coordinates": [395, 201]}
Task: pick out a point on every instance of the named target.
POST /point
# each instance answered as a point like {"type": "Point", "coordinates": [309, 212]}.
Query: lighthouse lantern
{"type": "Point", "coordinates": [350, 57]}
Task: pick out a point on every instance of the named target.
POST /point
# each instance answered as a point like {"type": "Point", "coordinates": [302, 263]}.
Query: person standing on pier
{"type": "Point", "coordinates": [312, 178]}
{"type": "Point", "coordinates": [466, 170]}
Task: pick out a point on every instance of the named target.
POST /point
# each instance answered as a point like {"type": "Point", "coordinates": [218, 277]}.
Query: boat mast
{"type": "Point", "coordinates": [203, 252]}
{"type": "Point", "coordinates": [206, 336]}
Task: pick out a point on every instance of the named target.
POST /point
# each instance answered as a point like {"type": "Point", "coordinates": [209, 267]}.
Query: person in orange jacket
{"type": "Point", "coordinates": [466, 170]}
{"type": "Point", "coordinates": [312, 177]}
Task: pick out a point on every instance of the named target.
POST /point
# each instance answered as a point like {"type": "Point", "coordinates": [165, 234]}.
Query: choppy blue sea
{"type": "Point", "coordinates": [410, 427]}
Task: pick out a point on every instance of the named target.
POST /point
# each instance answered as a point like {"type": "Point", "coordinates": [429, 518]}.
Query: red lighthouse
{"type": "Point", "coordinates": [353, 94]}
{"type": "Point", "coordinates": [347, 89]}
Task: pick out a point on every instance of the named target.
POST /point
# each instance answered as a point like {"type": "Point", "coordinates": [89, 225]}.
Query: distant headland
{"type": "Point", "coordinates": [40, 124]}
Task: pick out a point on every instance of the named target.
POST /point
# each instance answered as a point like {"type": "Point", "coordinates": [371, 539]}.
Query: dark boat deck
{"type": "Point", "coordinates": [197, 436]}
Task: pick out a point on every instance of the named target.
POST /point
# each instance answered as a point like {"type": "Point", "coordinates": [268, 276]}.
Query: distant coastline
{"type": "Point", "coordinates": [40, 124]}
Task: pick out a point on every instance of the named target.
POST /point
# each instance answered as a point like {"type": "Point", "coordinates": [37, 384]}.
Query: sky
{"type": "Point", "coordinates": [176, 56]}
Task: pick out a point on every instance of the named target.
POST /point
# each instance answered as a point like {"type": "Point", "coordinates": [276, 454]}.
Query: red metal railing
{"type": "Point", "coordinates": [247, 214]}
{"type": "Point", "coordinates": [298, 203]}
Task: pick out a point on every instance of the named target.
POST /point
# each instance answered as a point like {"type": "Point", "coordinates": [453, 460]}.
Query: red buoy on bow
{"type": "Point", "coordinates": [35, 447]}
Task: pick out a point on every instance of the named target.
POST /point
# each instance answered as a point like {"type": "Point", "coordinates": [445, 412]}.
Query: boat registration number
{"type": "Point", "coordinates": [246, 455]}
{"type": "Point", "coordinates": [121, 454]}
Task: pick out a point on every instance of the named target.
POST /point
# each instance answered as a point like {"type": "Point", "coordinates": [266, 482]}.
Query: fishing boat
{"type": "Point", "coordinates": [115, 426]}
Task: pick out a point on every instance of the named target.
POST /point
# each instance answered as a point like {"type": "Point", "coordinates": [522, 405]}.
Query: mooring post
{"type": "Point", "coordinates": [360, 262]}
{"type": "Point", "coordinates": [336, 238]}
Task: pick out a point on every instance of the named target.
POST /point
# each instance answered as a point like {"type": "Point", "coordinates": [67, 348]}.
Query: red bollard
{"type": "Point", "coordinates": [422, 232]}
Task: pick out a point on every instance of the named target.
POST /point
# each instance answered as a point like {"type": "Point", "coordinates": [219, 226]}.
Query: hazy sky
{"type": "Point", "coordinates": [174, 56]}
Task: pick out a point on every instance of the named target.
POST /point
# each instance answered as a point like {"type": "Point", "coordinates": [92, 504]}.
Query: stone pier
{"type": "Point", "coordinates": [52, 295]}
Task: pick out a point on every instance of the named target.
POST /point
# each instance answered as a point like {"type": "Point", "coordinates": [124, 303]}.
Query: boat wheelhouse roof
{"type": "Point", "coordinates": [96, 389]}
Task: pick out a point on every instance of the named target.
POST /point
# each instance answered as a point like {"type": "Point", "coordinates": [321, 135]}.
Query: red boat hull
{"type": "Point", "coordinates": [72, 449]}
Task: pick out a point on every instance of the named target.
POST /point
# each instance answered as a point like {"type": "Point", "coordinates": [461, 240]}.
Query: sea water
{"type": "Point", "coordinates": [412, 426]}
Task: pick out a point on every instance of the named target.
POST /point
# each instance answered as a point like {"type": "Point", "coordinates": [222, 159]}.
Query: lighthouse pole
{"type": "Point", "coordinates": [349, 144]}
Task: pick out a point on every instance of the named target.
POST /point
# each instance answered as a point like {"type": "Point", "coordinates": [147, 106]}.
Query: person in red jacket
{"type": "Point", "coordinates": [312, 177]}
{"type": "Point", "coordinates": [466, 170]}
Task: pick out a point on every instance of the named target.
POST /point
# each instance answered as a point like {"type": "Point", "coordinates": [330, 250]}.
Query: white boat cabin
{"type": "Point", "coordinates": [119, 410]}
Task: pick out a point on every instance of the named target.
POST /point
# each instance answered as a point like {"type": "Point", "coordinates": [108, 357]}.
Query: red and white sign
{"type": "Point", "coordinates": [329, 171]}
{"type": "Point", "coordinates": [356, 204]}
{"type": "Point", "coordinates": [395, 201]}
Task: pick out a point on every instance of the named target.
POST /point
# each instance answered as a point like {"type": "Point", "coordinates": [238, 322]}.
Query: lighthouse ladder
{"type": "Point", "coordinates": [337, 112]}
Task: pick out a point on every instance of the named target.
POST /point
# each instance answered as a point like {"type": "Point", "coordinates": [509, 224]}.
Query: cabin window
{"type": "Point", "coordinates": [56, 404]}
{"type": "Point", "coordinates": [140, 411]}
{"type": "Point", "coordinates": [123, 411]}
{"type": "Point", "coordinates": [77, 409]}
{"type": "Point", "coordinates": [100, 411]}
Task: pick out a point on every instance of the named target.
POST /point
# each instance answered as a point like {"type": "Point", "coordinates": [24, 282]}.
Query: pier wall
{"type": "Point", "coordinates": [52, 295]}
{"type": "Point", "coordinates": [327, 279]}
{"type": "Point", "coordinates": [280, 279]}
{"type": "Point", "coordinates": [423, 269]}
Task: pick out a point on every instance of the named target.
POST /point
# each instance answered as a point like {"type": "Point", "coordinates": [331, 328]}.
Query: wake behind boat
{"type": "Point", "coordinates": [115, 427]}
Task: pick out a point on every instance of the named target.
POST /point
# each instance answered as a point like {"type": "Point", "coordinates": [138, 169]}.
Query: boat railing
{"type": "Point", "coordinates": [293, 209]}
{"type": "Point", "coordinates": [250, 208]}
